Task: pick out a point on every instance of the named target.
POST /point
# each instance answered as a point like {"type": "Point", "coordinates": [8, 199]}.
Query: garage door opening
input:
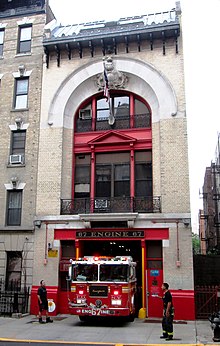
{"type": "Point", "coordinates": [117, 248]}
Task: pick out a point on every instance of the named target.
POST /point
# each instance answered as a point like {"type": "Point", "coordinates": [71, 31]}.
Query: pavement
{"type": "Point", "coordinates": [68, 328]}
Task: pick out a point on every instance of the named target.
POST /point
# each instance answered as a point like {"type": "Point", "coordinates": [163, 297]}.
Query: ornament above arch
{"type": "Point", "coordinates": [116, 79]}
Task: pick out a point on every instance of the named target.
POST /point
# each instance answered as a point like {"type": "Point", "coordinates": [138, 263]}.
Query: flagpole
{"type": "Point", "coordinates": [111, 118]}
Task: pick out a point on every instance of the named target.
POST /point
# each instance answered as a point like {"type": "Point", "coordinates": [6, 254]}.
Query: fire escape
{"type": "Point", "coordinates": [215, 168]}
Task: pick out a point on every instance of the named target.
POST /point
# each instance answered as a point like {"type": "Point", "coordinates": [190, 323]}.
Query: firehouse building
{"type": "Point", "coordinates": [112, 175]}
{"type": "Point", "coordinates": [113, 166]}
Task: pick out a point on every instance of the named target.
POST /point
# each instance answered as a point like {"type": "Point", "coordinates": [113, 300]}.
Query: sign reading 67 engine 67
{"type": "Point", "coordinates": [110, 234]}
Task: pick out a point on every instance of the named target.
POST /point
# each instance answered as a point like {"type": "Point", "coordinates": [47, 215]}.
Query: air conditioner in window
{"type": "Point", "coordinates": [101, 203]}
{"type": "Point", "coordinates": [85, 114]}
{"type": "Point", "coordinates": [15, 159]}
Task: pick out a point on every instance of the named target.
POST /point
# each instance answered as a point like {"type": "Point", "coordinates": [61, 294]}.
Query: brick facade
{"type": "Point", "coordinates": [20, 238]}
{"type": "Point", "coordinates": [65, 87]}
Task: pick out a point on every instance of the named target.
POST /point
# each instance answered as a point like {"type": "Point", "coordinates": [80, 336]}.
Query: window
{"type": "Point", "coordinates": [112, 272]}
{"type": "Point", "coordinates": [82, 176]}
{"type": "Point", "coordinates": [113, 175]}
{"type": "Point", "coordinates": [140, 107]}
{"type": "Point", "coordinates": [154, 254]}
{"type": "Point", "coordinates": [154, 249]}
{"type": "Point", "coordinates": [122, 180]}
{"type": "Point", "coordinates": [18, 142]}
{"type": "Point", "coordinates": [143, 179]}
{"type": "Point", "coordinates": [14, 208]}
{"type": "Point", "coordinates": [2, 32]}
{"type": "Point", "coordinates": [13, 271]}
{"type": "Point", "coordinates": [103, 181]}
{"type": "Point", "coordinates": [85, 272]}
{"type": "Point", "coordinates": [67, 249]}
{"type": "Point", "coordinates": [119, 105]}
{"type": "Point", "coordinates": [129, 111]}
{"type": "Point", "coordinates": [102, 109]}
{"type": "Point", "coordinates": [24, 44]}
{"type": "Point", "coordinates": [21, 93]}
{"type": "Point", "coordinates": [143, 174]}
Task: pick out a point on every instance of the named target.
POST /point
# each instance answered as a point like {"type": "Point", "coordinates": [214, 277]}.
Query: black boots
{"type": "Point", "coordinates": [164, 336]}
{"type": "Point", "coordinates": [48, 320]}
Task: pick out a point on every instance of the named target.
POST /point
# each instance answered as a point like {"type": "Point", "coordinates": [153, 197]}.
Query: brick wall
{"type": "Point", "coordinates": [20, 238]}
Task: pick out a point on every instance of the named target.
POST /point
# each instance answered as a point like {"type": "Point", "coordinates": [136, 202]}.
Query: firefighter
{"type": "Point", "coordinates": [168, 314]}
{"type": "Point", "coordinates": [43, 302]}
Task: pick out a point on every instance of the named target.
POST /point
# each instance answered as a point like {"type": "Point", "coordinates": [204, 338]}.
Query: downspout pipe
{"type": "Point", "coordinates": [177, 245]}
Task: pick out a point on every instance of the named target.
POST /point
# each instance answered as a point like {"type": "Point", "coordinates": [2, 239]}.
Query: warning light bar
{"type": "Point", "coordinates": [103, 258]}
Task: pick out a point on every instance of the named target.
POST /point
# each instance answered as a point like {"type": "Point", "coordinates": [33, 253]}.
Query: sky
{"type": "Point", "coordinates": [201, 28]}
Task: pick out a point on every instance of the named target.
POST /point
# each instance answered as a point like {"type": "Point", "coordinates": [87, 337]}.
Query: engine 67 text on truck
{"type": "Point", "coordinates": [102, 286]}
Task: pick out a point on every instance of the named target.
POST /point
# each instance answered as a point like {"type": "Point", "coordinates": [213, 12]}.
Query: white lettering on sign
{"type": "Point", "coordinates": [110, 234]}
{"type": "Point", "coordinates": [86, 311]}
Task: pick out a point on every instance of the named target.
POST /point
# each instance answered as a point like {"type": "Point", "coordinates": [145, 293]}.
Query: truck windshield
{"type": "Point", "coordinates": [113, 272]}
{"type": "Point", "coordinates": [85, 272]}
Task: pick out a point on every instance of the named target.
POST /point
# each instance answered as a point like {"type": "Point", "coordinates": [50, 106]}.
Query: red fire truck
{"type": "Point", "coordinates": [102, 286]}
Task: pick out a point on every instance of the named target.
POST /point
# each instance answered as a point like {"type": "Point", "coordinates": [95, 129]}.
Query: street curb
{"type": "Point", "coordinates": [94, 343]}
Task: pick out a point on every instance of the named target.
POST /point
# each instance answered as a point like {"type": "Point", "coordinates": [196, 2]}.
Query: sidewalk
{"type": "Point", "coordinates": [69, 328]}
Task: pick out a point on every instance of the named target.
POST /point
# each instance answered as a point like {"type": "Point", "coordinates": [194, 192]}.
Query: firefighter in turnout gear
{"type": "Point", "coordinates": [167, 321]}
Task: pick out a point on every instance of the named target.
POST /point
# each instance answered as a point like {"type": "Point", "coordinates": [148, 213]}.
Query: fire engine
{"type": "Point", "coordinates": [102, 286]}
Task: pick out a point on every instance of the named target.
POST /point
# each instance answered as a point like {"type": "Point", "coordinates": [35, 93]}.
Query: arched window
{"type": "Point", "coordinates": [128, 110]}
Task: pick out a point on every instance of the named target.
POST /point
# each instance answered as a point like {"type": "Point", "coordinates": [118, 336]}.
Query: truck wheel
{"type": "Point", "coordinates": [131, 318]}
{"type": "Point", "coordinates": [82, 318]}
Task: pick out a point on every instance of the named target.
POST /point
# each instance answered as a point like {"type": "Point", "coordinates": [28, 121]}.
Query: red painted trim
{"type": "Point", "coordinates": [149, 234]}
{"type": "Point", "coordinates": [110, 136]}
{"type": "Point", "coordinates": [183, 300]}
{"type": "Point", "coordinates": [93, 113]}
{"type": "Point", "coordinates": [156, 234]}
{"type": "Point", "coordinates": [132, 174]}
{"type": "Point", "coordinates": [73, 175]}
{"type": "Point", "coordinates": [143, 249]}
{"type": "Point", "coordinates": [113, 148]}
{"type": "Point", "coordinates": [113, 141]}
{"type": "Point", "coordinates": [52, 293]}
{"type": "Point", "coordinates": [92, 175]}
{"type": "Point", "coordinates": [132, 110]}
{"type": "Point", "coordinates": [65, 234]}
{"type": "Point", "coordinates": [184, 304]}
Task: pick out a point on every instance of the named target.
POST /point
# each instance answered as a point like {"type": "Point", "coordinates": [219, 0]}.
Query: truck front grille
{"type": "Point", "coordinates": [98, 291]}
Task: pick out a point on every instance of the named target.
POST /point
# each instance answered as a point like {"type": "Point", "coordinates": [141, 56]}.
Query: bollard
{"type": "Point", "coordinates": [142, 313]}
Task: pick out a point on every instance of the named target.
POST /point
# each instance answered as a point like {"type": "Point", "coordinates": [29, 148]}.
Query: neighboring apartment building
{"type": "Point", "coordinates": [211, 205]}
{"type": "Point", "coordinates": [22, 25]}
{"type": "Point", "coordinates": [112, 177]}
